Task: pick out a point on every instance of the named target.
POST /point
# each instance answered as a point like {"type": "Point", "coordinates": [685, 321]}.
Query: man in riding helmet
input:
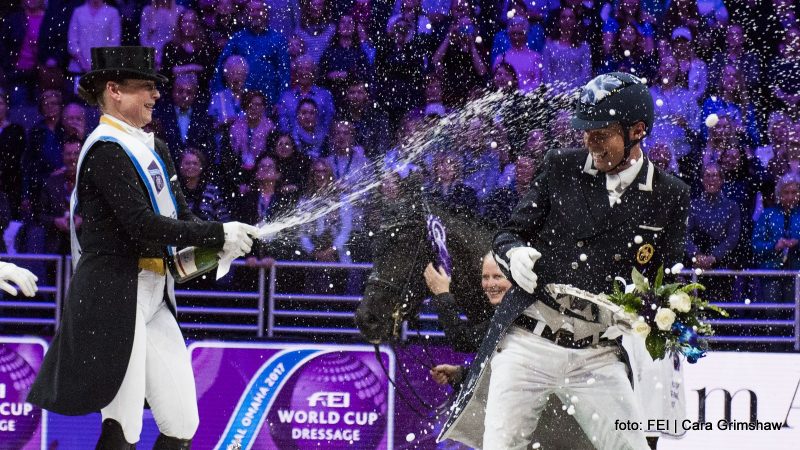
{"type": "Point", "coordinates": [591, 215]}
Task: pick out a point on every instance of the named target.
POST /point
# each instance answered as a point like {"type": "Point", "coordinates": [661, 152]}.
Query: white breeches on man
{"type": "Point", "coordinates": [591, 382]}
{"type": "Point", "coordinates": [159, 370]}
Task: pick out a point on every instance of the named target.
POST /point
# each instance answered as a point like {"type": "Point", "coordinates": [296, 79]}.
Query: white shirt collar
{"type": "Point", "coordinates": [147, 139]}
{"type": "Point", "coordinates": [628, 175]}
{"type": "Point", "coordinates": [616, 184]}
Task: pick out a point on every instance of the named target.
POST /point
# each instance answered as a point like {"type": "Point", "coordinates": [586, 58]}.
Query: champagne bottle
{"type": "Point", "coordinates": [191, 262]}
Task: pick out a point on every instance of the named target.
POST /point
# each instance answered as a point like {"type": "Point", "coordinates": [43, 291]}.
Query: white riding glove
{"type": "Point", "coordinates": [23, 278]}
{"type": "Point", "coordinates": [522, 260]}
{"type": "Point", "coordinates": [238, 240]}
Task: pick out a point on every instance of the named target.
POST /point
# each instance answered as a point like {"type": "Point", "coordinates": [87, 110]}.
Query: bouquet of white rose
{"type": "Point", "coordinates": [671, 317]}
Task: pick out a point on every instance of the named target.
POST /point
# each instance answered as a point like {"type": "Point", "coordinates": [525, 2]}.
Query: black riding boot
{"type": "Point", "coordinates": [165, 442]}
{"type": "Point", "coordinates": [112, 437]}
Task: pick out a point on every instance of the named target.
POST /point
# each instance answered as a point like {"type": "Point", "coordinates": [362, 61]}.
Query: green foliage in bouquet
{"type": "Point", "coordinates": [671, 317]}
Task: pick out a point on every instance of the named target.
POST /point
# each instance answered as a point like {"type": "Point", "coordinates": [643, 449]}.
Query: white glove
{"type": "Point", "coordinates": [23, 278]}
{"type": "Point", "coordinates": [237, 243]}
{"type": "Point", "coordinates": [522, 260]}
{"type": "Point", "coordinates": [238, 240]}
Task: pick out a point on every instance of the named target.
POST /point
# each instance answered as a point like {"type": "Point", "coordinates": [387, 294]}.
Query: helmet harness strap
{"type": "Point", "coordinates": [629, 144]}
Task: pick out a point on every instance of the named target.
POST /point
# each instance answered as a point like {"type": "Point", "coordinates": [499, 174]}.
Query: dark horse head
{"type": "Point", "coordinates": [396, 287]}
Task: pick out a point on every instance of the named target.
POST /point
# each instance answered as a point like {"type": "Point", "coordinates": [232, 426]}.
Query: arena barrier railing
{"type": "Point", "coordinates": [253, 308]}
{"type": "Point", "coordinates": [754, 307]}
{"type": "Point", "coordinates": [44, 309]}
{"type": "Point", "coordinates": [253, 311]}
{"type": "Point", "coordinates": [325, 314]}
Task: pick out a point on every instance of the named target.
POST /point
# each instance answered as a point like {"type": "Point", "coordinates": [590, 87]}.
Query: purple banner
{"type": "Point", "coordinates": [288, 396]}
{"type": "Point", "coordinates": [22, 425]}
{"type": "Point", "coordinates": [226, 371]}
{"type": "Point", "coordinates": [416, 423]}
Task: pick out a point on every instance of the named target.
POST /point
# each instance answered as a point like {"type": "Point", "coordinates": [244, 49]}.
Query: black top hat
{"type": "Point", "coordinates": [119, 63]}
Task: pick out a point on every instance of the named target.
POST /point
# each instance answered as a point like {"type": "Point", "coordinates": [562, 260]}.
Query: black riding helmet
{"type": "Point", "coordinates": [615, 97]}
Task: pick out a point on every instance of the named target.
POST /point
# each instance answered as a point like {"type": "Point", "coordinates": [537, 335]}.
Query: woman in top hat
{"type": "Point", "coordinates": [118, 342]}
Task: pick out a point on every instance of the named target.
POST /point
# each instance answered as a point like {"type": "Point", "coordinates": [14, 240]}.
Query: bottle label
{"type": "Point", "coordinates": [184, 263]}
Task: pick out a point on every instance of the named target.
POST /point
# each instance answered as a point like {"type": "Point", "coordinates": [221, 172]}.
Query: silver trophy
{"type": "Point", "coordinates": [621, 318]}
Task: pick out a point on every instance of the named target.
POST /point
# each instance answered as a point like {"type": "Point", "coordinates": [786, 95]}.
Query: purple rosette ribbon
{"type": "Point", "coordinates": [437, 237]}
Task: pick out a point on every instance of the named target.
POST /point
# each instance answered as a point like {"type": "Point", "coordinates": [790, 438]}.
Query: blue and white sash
{"type": "Point", "coordinates": [148, 164]}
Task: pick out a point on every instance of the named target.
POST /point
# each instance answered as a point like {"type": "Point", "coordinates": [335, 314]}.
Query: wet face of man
{"type": "Point", "coordinates": [606, 145]}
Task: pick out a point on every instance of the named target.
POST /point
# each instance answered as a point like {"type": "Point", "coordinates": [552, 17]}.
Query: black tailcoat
{"type": "Point", "coordinates": [87, 360]}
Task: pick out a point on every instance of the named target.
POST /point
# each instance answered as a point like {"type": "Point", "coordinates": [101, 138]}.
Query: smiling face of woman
{"type": "Point", "coordinates": [134, 100]}
{"type": "Point", "coordinates": [321, 174]}
{"type": "Point", "coordinates": [493, 282]}
{"type": "Point", "coordinates": [267, 170]}
{"type": "Point", "coordinates": [191, 167]}
{"type": "Point", "coordinates": [284, 148]}
{"type": "Point", "coordinates": [256, 109]}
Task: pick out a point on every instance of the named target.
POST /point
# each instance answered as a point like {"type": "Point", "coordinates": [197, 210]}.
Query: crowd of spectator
{"type": "Point", "coordinates": [270, 100]}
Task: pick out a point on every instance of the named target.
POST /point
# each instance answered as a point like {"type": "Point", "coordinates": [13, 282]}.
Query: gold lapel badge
{"type": "Point", "coordinates": [645, 254]}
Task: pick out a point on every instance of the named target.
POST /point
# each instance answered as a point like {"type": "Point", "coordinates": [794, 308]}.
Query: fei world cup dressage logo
{"type": "Point", "coordinates": [333, 401]}
{"type": "Point", "coordinates": [19, 420]}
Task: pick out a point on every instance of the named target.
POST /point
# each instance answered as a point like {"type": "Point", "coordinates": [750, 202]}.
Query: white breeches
{"type": "Point", "coordinates": [591, 382]}
{"type": "Point", "coordinates": [159, 370]}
